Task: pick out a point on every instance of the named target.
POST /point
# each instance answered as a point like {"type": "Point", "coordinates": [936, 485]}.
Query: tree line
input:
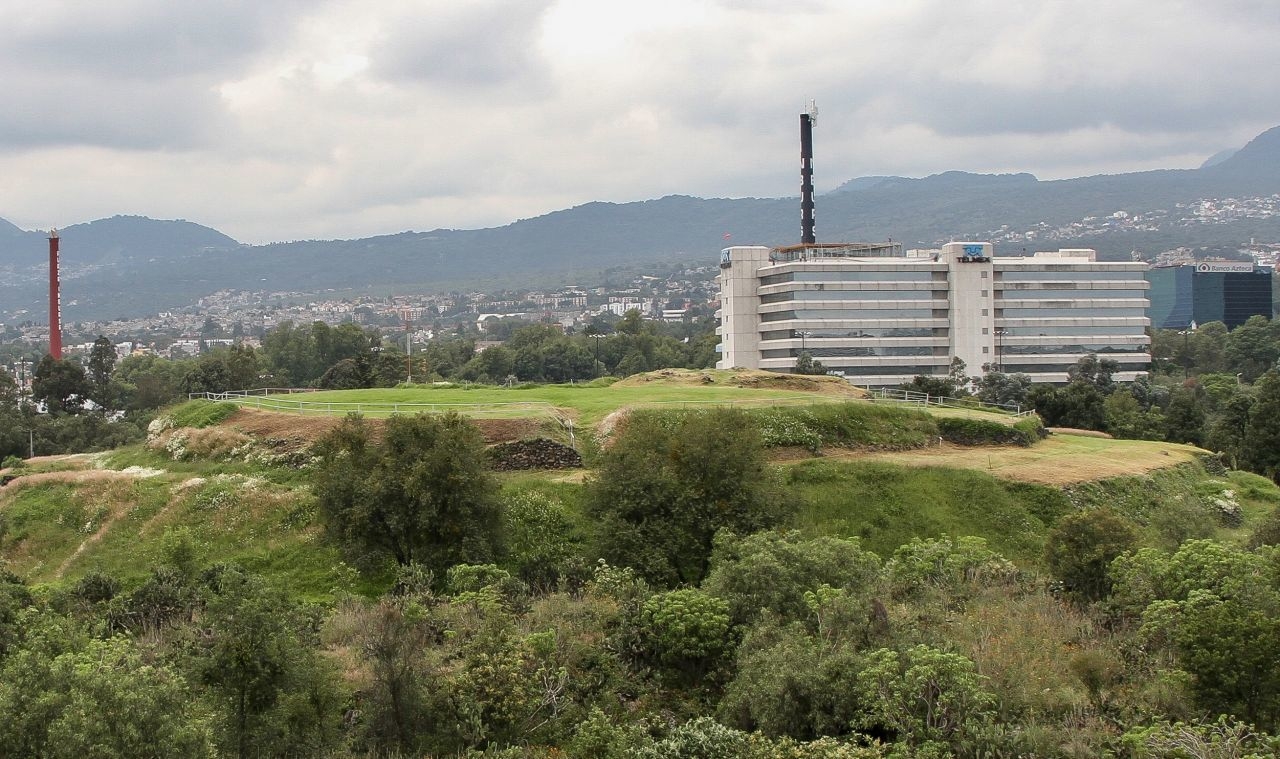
{"type": "Point", "coordinates": [103, 403]}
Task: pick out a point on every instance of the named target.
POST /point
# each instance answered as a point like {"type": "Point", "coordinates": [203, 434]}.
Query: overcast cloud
{"type": "Point", "coordinates": [285, 120]}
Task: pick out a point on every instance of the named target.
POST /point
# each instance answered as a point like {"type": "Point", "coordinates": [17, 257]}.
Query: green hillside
{"type": "Point", "coordinates": [223, 495]}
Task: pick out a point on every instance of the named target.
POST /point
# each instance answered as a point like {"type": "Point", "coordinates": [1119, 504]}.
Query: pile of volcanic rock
{"type": "Point", "coordinates": [538, 453]}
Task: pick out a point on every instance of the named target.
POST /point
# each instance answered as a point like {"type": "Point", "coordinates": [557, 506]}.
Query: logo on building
{"type": "Point", "coordinates": [1231, 268]}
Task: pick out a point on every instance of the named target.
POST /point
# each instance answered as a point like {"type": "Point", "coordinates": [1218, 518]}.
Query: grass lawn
{"type": "Point", "coordinates": [587, 403]}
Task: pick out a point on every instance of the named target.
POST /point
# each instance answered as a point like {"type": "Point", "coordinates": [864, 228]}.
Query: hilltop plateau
{"type": "Point", "coordinates": [233, 478]}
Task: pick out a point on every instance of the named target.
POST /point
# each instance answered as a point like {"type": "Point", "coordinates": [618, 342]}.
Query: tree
{"type": "Point", "coordinates": [8, 390]}
{"type": "Point", "coordinates": [276, 696]}
{"type": "Point", "coordinates": [68, 696]}
{"type": "Point", "coordinates": [1252, 348]}
{"type": "Point", "coordinates": [806, 364]}
{"type": "Point", "coordinates": [1184, 419]}
{"type": "Point", "coordinates": [347, 374]}
{"type": "Point", "coordinates": [1125, 418]}
{"type": "Point", "coordinates": [1079, 551]}
{"type": "Point", "coordinates": [1209, 605]}
{"type": "Point", "coordinates": [668, 482]}
{"type": "Point", "coordinates": [1095, 371]}
{"type": "Point", "coordinates": [61, 385]}
{"type": "Point", "coordinates": [1004, 389]}
{"type": "Point", "coordinates": [422, 494]}
{"type": "Point", "coordinates": [102, 363]}
{"type": "Point", "coordinates": [222, 369]}
{"type": "Point", "coordinates": [1261, 450]}
{"type": "Point", "coordinates": [772, 571]}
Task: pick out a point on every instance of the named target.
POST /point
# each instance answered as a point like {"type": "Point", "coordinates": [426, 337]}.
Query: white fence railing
{"type": "Point", "coordinates": [267, 399]}
{"type": "Point", "coordinates": [925, 399]}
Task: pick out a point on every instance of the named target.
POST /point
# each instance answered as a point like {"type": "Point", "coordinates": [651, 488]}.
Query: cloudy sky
{"type": "Point", "coordinates": [284, 119]}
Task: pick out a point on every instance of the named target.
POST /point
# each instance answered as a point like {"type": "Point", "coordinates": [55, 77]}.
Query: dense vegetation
{"type": "Point", "coordinates": [688, 601]}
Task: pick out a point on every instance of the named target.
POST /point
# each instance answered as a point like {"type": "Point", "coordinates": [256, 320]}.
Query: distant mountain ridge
{"type": "Point", "coordinates": [129, 265]}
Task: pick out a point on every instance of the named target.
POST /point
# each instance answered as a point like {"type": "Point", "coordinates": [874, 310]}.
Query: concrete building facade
{"type": "Point", "coordinates": [880, 317]}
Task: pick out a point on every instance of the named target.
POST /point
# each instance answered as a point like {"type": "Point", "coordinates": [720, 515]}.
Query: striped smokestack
{"type": "Point", "coordinates": [806, 174]}
{"type": "Point", "coordinates": [55, 299]}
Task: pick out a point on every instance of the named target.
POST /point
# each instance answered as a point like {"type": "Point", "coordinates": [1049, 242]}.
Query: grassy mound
{"type": "Point", "coordinates": [886, 505]}
{"type": "Point", "coordinates": [199, 414]}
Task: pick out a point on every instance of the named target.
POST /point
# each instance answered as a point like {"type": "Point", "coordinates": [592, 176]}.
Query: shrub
{"type": "Point", "coordinates": [1080, 550]}
{"type": "Point", "coordinates": [688, 632]}
{"type": "Point", "coordinates": [968, 431]}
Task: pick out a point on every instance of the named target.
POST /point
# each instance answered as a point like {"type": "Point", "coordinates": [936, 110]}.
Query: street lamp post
{"type": "Point", "coordinates": [999, 333]}
{"type": "Point", "coordinates": [1186, 350]}
{"type": "Point", "coordinates": [598, 367]}
{"type": "Point", "coordinates": [803, 352]}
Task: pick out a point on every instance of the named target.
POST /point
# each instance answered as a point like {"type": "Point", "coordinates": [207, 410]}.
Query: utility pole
{"type": "Point", "coordinates": [408, 341]}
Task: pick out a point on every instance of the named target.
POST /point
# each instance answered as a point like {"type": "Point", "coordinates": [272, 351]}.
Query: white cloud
{"type": "Point", "coordinates": [287, 120]}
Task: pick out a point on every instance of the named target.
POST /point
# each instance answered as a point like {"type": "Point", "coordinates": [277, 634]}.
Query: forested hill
{"type": "Point", "coordinates": [134, 265]}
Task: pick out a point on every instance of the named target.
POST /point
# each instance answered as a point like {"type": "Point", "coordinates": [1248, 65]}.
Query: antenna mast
{"type": "Point", "coordinates": [55, 299]}
{"type": "Point", "coordinates": [807, 120]}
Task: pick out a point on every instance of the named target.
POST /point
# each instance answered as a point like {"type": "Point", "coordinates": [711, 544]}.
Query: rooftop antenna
{"type": "Point", "coordinates": [807, 120]}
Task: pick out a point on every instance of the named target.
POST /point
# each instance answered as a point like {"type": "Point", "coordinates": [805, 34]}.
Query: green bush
{"type": "Point", "coordinates": [968, 431]}
{"type": "Point", "coordinates": [844, 424]}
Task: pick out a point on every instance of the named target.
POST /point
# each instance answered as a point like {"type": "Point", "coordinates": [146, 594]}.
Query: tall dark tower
{"type": "Point", "coordinates": [55, 299]}
{"type": "Point", "coordinates": [807, 120]}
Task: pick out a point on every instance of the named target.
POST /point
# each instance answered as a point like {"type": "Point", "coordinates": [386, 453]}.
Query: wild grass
{"type": "Point", "coordinates": [886, 505]}
{"type": "Point", "coordinates": [198, 413]}
{"type": "Point", "coordinates": [61, 531]}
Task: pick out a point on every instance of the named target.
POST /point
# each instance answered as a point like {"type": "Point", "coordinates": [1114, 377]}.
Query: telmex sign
{"type": "Point", "coordinates": [1233, 267]}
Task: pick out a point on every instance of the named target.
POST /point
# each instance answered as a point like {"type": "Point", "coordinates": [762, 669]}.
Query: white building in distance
{"type": "Point", "coordinates": [880, 317]}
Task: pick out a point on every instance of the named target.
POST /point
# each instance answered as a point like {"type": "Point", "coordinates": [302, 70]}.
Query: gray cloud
{"type": "Point", "coordinates": [481, 44]}
{"type": "Point", "coordinates": [353, 117]}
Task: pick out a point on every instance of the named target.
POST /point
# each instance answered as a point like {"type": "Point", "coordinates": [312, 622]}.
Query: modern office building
{"type": "Point", "coordinates": [1210, 291]}
{"type": "Point", "coordinates": [880, 316]}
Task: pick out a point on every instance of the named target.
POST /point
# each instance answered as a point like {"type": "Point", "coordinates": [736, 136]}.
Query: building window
{"type": "Point", "coordinates": [984, 293]}
{"type": "Point", "coordinates": [985, 350]}
{"type": "Point", "coordinates": [984, 275]}
{"type": "Point", "coordinates": [984, 330]}
{"type": "Point", "coordinates": [984, 312]}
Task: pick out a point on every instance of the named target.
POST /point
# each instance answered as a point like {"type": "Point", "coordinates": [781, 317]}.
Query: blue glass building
{"type": "Point", "coordinates": [1228, 292]}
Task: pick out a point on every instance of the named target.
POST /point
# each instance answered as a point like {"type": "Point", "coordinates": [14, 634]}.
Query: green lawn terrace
{"type": "Point", "coordinates": [586, 403]}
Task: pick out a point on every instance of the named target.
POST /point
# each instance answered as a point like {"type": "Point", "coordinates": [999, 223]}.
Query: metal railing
{"type": "Point", "coordinates": [265, 399]}
{"type": "Point", "coordinates": [925, 399]}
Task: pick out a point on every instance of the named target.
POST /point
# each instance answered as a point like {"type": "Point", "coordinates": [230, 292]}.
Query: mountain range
{"type": "Point", "coordinates": [128, 266]}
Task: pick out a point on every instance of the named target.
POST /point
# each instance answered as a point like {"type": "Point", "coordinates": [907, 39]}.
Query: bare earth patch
{"type": "Point", "coordinates": [289, 432]}
{"type": "Point", "coordinates": [745, 378]}
{"type": "Point", "coordinates": [1060, 460]}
